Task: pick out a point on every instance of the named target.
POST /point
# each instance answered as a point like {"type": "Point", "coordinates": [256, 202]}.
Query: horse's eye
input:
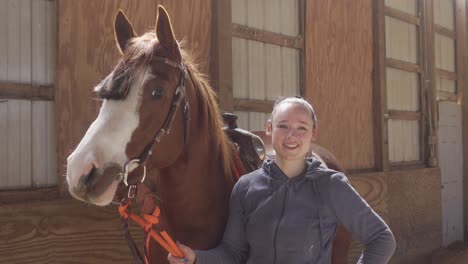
{"type": "Point", "coordinates": [157, 93]}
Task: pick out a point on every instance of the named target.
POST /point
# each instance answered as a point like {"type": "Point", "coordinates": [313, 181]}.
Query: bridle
{"type": "Point", "coordinates": [179, 95]}
{"type": "Point", "coordinates": [152, 220]}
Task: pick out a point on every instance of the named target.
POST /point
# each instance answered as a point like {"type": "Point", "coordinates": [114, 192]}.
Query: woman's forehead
{"type": "Point", "coordinates": [292, 111]}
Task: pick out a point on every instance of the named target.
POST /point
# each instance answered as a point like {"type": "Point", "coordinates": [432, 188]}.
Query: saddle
{"type": "Point", "coordinates": [249, 146]}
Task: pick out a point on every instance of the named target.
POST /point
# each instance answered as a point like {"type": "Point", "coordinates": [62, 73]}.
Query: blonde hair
{"type": "Point", "coordinates": [295, 100]}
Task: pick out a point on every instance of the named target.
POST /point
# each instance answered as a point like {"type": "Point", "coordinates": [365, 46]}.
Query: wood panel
{"type": "Point", "coordinates": [28, 46]}
{"type": "Point", "coordinates": [240, 68]}
{"type": "Point", "coordinates": [444, 53]}
{"type": "Point", "coordinates": [87, 52]}
{"type": "Point", "coordinates": [62, 232]}
{"type": "Point", "coordinates": [277, 16]}
{"type": "Point", "coordinates": [404, 140]}
{"type": "Point", "coordinates": [401, 40]}
{"type": "Point", "coordinates": [380, 87]}
{"type": "Point", "coordinates": [407, 6]}
{"type": "Point", "coordinates": [15, 128]}
{"type": "Point", "coordinates": [462, 60]}
{"type": "Point", "coordinates": [273, 66]}
{"type": "Point", "coordinates": [43, 145]}
{"type": "Point", "coordinates": [444, 13]}
{"type": "Point", "coordinates": [414, 207]}
{"type": "Point", "coordinates": [373, 188]}
{"type": "Point", "coordinates": [338, 78]}
{"type": "Point", "coordinates": [402, 90]}
{"type": "Point", "coordinates": [222, 56]}
{"type": "Point", "coordinates": [26, 91]}
{"type": "Point", "coordinates": [252, 121]}
{"type": "Point", "coordinates": [266, 36]}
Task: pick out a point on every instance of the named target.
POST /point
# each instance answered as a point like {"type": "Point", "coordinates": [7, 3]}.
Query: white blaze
{"type": "Point", "coordinates": [106, 139]}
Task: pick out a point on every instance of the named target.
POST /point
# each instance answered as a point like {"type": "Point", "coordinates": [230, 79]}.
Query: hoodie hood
{"type": "Point", "coordinates": [315, 168]}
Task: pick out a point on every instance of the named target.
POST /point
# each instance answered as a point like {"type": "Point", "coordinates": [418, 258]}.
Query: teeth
{"type": "Point", "coordinates": [291, 146]}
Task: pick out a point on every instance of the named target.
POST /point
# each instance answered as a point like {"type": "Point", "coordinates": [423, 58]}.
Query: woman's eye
{"type": "Point", "coordinates": [282, 126]}
{"type": "Point", "coordinates": [158, 93]}
{"type": "Point", "coordinates": [302, 128]}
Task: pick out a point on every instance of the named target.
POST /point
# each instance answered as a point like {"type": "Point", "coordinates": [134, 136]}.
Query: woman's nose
{"type": "Point", "coordinates": [292, 132]}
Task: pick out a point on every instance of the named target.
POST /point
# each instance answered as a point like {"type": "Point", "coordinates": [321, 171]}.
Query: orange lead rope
{"type": "Point", "coordinates": [147, 223]}
{"type": "Point", "coordinates": [152, 220]}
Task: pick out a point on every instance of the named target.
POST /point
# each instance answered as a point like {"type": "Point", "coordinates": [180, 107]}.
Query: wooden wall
{"type": "Point", "coordinates": [338, 73]}
{"type": "Point", "coordinates": [65, 231]}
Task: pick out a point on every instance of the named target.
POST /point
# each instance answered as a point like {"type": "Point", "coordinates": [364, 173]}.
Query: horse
{"type": "Point", "coordinates": [160, 124]}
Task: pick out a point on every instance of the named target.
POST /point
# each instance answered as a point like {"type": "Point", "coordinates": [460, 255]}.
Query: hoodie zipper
{"type": "Point", "coordinates": [280, 220]}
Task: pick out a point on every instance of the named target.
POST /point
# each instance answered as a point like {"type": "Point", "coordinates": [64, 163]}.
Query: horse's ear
{"type": "Point", "coordinates": [164, 30]}
{"type": "Point", "coordinates": [123, 31]}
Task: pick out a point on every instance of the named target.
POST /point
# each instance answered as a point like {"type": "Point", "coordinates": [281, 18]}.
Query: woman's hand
{"type": "Point", "coordinates": [188, 253]}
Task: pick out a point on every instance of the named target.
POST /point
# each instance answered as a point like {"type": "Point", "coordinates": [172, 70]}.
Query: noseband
{"type": "Point", "coordinates": [179, 95]}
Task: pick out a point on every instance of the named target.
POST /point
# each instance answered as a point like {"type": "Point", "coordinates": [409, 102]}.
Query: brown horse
{"type": "Point", "coordinates": [159, 111]}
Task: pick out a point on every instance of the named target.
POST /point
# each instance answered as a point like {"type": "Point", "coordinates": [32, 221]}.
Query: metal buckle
{"type": "Point", "coordinates": [127, 170]}
{"type": "Point", "coordinates": [132, 191]}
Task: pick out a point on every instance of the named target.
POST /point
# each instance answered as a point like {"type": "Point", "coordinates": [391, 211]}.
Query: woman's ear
{"type": "Point", "coordinates": [314, 133]}
{"type": "Point", "coordinates": [268, 127]}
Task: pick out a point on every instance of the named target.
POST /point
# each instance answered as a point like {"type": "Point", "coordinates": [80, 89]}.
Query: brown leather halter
{"type": "Point", "coordinates": [152, 220]}
{"type": "Point", "coordinates": [179, 95]}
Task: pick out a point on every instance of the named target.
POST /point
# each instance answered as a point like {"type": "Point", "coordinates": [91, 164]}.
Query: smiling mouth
{"type": "Point", "coordinates": [291, 146]}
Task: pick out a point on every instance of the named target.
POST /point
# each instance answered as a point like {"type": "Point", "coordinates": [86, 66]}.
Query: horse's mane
{"type": "Point", "coordinates": [139, 52]}
{"type": "Point", "coordinates": [210, 113]}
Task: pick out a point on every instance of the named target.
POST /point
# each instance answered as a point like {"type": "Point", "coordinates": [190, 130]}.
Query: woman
{"type": "Point", "coordinates": [288, 211]}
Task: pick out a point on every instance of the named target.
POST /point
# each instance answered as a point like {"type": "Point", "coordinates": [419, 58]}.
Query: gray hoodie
{"type": "Point", "coordinates": [274, 219]}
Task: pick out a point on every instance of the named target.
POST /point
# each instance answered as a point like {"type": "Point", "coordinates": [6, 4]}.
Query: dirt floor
{"type": "Point", "coordinates": [455, 254]}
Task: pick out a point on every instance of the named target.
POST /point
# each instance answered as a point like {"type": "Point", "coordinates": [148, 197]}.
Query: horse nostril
{"type": "Point", "coordinates": [86, 181]}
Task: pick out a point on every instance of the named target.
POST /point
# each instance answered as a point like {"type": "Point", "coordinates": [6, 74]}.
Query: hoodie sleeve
{"type": "Point", "coordinates": [358, 217]}
{"type": "Point", "coordinates": [233, 248]}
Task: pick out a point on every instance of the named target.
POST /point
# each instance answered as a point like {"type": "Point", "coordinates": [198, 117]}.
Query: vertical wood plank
{"type": "Point", "coordinates": [3, 41]}
{"type": "Point", "coordinates": [240, 68]}
{"type": "Point", "coordinates": [243, 119]}
{"type": "Point", "coordinates": [273, 16]}
{"type": "Point", "coordinates": [51, 46]}
{"type": "Point", "coordinates": [462, 44]}
{"type": "Point", "coordinates": [273, 67]}
{"type": "Point", "coordinates": [239, 11]}
{"type": "Point", "coordinates": [25, 40]}
{"type": "Point", "coordinates": [222, 54]}
{"type": "Point", "coordinates": [13, 47]}
{"type": "Point", "coordinates": [19, 144]}
{"type": "Point", "coordinates": [257, 121]}
{"type": "Point", "coordinates": [256, 75]}
{"type": "Point", "coordinates": [290, 13]}
{"type": "Point", "coordinates": [429, 106]}
{"type": "Point", "coordinates": [52, 177]}
{"type": "Point", "coordinates": [39, 42]}
{"type": "Point", "coordinates": [39, 144]}
{"type": "Point", "coordinates": [382, 130]}
{"type": "Point", "coordinates": [290, 71]}
{"type": "Point", "coordinates": [255, 13]}
{"type": "Point", "coordinates": [444, 13]}
{"type": "Point", "coordinates": [339, 66]}
{"type": "Point", "coordinates": [4, 143]}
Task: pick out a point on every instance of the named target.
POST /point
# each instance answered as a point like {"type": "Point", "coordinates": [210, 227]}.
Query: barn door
{"type": "Point", "coordinates": [451, 165]}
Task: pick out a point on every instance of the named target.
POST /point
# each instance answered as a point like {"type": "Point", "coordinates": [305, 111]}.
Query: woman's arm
{"type": "Point", "coordinates": [233, 247]}
{"type": "Point", "coordinates": [358, 217]}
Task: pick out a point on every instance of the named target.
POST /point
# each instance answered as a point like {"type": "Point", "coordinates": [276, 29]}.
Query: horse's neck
{"type": "Point", "coordinates": [195, 197]}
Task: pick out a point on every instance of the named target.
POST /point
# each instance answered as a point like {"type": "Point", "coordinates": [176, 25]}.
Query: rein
{"type": "Point", "coordinates": [150, 222]}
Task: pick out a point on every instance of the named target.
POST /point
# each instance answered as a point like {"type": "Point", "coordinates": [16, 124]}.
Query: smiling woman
{"type": "Point", "coordinates": [296, 202]}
